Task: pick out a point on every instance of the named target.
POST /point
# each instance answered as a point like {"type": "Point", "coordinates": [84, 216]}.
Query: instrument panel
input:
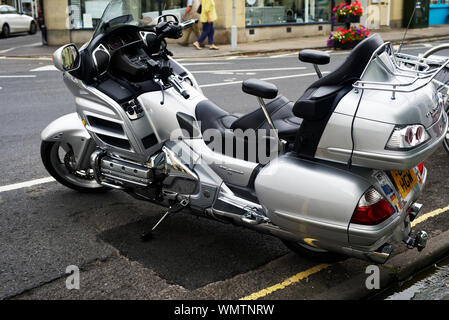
{"type": "Point", "coordinates": [117, 40]}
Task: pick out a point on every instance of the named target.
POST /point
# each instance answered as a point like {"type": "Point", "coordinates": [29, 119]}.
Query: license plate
{"type": "Point", "coordinates": [405, 181]}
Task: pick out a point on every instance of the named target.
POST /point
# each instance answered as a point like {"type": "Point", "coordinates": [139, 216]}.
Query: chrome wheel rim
{"type": "Point", "coordinates": [58, 158]}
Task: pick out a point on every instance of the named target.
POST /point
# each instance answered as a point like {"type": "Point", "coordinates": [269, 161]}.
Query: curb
{"type": "Point", "coordinates": [397, 269]}
{"type": "Point", "coordinates": [260, 52]}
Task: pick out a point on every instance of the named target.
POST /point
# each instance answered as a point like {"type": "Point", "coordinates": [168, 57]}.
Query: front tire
{"type": "Point", "coordinates": [33, 28]}
{"type": "Point", "coordinates": [57, 162]}
{"type": "Point", "coordinates": [5, 31]}
{"type": "Point", "coordinates": [315, 254]}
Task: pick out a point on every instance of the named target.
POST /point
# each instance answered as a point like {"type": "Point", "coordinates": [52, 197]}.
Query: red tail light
{"type": "Point", "coordinates": [372, 209]}
{"type": "Point", "coordinates": [421, 167]}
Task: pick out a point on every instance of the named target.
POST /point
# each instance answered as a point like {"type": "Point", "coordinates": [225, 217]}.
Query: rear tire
{"type": "Point", "coordinates": [50, 154]}
{"type": "Point", "coordinates": [33, 28]}
{"type": "Point", "coordinates": [446, 140]}
{"type": "Point", "coordinates": [315, 254]}
{"type": "Point", "coordinates": [5, 31]}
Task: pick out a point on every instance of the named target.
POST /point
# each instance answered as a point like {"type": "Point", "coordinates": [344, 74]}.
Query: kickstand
{"type": "Point", "coordinates": [147, 235]}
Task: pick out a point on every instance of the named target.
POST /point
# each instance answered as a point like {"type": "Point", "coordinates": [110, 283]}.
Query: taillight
{"type": "Point", "coordinates": [409, 137]}
{"type": "Point", "coordinates": [421, 167]}
{"type": "Point", "coordinates": [372, 209]}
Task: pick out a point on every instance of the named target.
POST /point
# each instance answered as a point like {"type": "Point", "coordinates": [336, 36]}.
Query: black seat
{"type": "Point", "coordinates": [228, 125]}
{"type": "Point", "coordinates": [260, 88]}
{"type": "Point", "coordinates": [314, 56]}
{"type": "Point", "coordinates": [280, 110]}
{"type": "Point", "coordinates": [318, 102]}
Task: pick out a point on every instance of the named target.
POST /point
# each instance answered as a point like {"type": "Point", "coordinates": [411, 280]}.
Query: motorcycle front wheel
{"type": "Point", "coordinates": [58, 162]}
{"type": "Point", "coordinates": [315, 254]}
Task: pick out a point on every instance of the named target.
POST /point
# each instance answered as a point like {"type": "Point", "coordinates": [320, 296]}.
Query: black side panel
{"type": "Point", "coordinates": [312, 129]}
{"type": "Point", "coordinates": [102, 59]}
{"type": "Point", "coordinates": [149, 141]}
{"type": "Point", "coordinates": [189, 124]}
{"type": "Point", "coordinates": [114, 90]}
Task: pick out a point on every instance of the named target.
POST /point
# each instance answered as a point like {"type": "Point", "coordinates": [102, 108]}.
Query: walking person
{"type": "Point", "coordinates": [208, 16]}
{"type": "Point", "coordinates": [191, 13]}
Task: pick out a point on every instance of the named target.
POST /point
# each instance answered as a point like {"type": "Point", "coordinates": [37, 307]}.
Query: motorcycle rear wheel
{"type": "Point", "coordinates": [315, 254]}
{"type": "Point", "coordinates": [54, 158]}
{"type": "Point", "coordinates": [446, 140]}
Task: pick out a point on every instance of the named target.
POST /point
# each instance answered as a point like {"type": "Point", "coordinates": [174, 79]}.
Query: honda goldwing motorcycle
{"type": "Point", "coordinates": [348, 165]}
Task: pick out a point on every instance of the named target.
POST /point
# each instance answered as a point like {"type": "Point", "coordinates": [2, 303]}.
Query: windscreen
{"type": "Point", "coordinates": [131, 12]}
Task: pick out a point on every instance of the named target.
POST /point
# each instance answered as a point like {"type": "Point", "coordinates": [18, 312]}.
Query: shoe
{"type": "Point", "coordinates": [213, 47]}
{"type": "Point", "coordinates": [197, 45]}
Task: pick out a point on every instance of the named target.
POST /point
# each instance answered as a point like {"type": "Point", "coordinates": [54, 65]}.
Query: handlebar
{"type": "Point", "coordinates": [172, 30]}
{"type": "Point", "coordinates": [187, 24]}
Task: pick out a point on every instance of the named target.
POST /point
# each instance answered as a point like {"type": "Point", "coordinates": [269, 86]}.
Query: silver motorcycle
{"type": "Point", "coordinates": [336, 173]}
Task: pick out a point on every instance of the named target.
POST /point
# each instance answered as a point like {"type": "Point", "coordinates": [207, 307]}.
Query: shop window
{"type": "Point", "coordinates": [175, 7]}
{"type": "Point", "coordinates": [269, 12]}
{"type": "Point", "coordinates": [86, 14]}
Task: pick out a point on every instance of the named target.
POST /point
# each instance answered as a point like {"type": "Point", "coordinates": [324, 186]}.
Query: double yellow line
{"type": "Point", "coordinates": [305, 274]}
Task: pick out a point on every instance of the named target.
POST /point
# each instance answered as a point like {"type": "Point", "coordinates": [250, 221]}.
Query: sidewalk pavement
{"type": "Point", "coordinates": [440, 32]}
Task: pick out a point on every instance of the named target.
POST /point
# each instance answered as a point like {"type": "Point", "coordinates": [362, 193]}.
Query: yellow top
{"type": "Point", "coordinates": [208, 6]}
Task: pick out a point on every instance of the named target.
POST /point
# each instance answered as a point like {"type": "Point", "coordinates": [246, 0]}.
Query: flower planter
{"type": "Point", "coordinates": [349, 19]}
{"type": "Point", "coordinates": [346, 45]}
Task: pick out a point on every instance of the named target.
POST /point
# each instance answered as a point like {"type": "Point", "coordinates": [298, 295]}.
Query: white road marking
{"type": "Point", "coordinates": [26, 58]}
{"type": "Point", "coordinates": [26, 184]}
{"type": "Point", "coordinates": [203, 63]}
{"type": "Point", "coordinates": [248, 70]}
{"type": "Point", "coordinates": [36, 44]}
{"type": "Point", "coordinates": [18, 76]}
{"type": "Point", "coordinates": [283, 55]}
{"type": "Point", "coordinates": [427, 45]}
{"type": "Point", "coordinates": [7, 50]}
{"type": "Point", "coordinates": [265, 79]}
{"type": "Point", "coordinates": [45, 68]}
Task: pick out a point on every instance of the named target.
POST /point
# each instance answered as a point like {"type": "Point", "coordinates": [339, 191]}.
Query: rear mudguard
{"type": "Point", "coordinates": [70, 132]}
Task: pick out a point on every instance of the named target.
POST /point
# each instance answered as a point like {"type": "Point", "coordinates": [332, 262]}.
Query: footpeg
{"type": "Point", "coordinates": [419, 241]}
{"type": "Point", "coordinates": [147, 235]}
{"type": "Point", "coordinates": [253, 217]}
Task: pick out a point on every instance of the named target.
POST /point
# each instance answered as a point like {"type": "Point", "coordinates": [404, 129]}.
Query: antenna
{"type": "Point", "coordinates": [408, 26]}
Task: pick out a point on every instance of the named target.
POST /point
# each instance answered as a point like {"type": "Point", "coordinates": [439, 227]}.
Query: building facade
{"type": "Point", "coordinates": [28, 7]}
{"type": "Point", "coordinates": [75, 20]}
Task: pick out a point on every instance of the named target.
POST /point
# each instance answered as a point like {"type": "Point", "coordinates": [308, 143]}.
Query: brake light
{"type": "Point", "coordinates": [421, 167]}
{"type": "Point", "coordinates": [372, 209]}
{"type": "Point", "coordinates": [409, 137]}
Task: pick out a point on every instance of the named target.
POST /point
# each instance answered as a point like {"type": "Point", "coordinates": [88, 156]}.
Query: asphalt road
{"type": "Point", "coordinates": [47, 227]}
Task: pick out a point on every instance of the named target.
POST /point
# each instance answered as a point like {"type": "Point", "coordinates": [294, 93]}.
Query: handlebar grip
{"type": "Point", "coordinates": [188, 23]}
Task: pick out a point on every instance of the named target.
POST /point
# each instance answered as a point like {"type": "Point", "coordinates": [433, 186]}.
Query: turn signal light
{"type": "Point", "coordinates": [372, 209]}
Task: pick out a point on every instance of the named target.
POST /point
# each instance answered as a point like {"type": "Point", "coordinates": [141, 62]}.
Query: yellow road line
{"type": "Point", "coordinates": [296, 278]}
{"type": "Point", "coordinates": [424, 217]}
{"type": "Point", "coordinates": [299, 276]}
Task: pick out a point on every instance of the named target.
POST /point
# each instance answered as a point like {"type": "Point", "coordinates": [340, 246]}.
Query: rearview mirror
{"type": "Point", "coordinates": [67, 58]}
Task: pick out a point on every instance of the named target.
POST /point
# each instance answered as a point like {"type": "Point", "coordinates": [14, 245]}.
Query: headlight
{"type": "Point", "coordinates": [409, 137]}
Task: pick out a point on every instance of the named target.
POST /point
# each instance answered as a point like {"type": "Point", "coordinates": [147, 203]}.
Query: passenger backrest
{"type": "Point", "coordinates": [319, 101]}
